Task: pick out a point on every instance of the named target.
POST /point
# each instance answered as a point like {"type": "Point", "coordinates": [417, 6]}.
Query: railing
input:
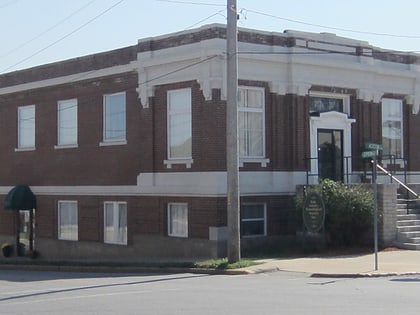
{"type": "Point", "coordinates": [356, 170]}
{"type": "Point", "coordinates": [398, 181]}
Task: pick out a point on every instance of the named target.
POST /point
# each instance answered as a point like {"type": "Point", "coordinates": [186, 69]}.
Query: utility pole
{"type": "Point", "coordinates": [232, 148]}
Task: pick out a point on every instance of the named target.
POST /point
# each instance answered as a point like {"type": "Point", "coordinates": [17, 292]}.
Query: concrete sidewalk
{"type": "Point", "coordinates": [395, 262]}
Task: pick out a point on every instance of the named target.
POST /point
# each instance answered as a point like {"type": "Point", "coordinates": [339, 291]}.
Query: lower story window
{"type": "Point", "coordinates": [253, 220]}
{"type": "Point", "coordinates": [178, 219]}
{"type": "Point", "coordinates": [115, 222]}
{"type": "Point", "coordinates": [67, 220]}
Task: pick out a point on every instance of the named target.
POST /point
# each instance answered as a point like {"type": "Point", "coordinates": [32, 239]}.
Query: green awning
{"type": "Point", "coordinates": [20, 197]}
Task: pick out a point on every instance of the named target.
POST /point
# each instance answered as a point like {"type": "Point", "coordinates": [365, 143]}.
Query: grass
{"type": "Point", "coordinates": [224, 264]}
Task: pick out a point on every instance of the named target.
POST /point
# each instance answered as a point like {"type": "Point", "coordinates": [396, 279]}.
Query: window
{"type": "Point", "coordinates": [67, 122]}
{"type": "Point", "coordinates": [178, 219]}
{"type": "Point", "coordinates": [327, 102]}
{"type": "Point", "coordinates": [179, 124]}
{"type": "Point", "coordinates": [251, 122]}
{"type": "Point", "coordinates": [67, 220]}
{"type": "Point", "coordinates": [114, 118]}
{"type": "Point", "coordinates": [26, 127]}
{"type": "Point", "coordinates": [253, 220]}
{"type": "Point", "coordinates": [392, 128]}
{"type": "Point", "coordinates": [115, 222]}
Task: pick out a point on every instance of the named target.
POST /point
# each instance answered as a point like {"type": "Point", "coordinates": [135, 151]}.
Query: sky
{"type": "Point", "coordinates": [35, 32]}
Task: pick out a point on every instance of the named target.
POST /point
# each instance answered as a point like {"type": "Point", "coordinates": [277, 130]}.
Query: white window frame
{"type": "Point", "coordinates": [264, 219]}
{"type": "Point", "coordinates": [174, 232]}
{"type": "Point", "coordinates": [74, 229]}
{"type": "Point", "coordinates": [187, 159]}
{"type": "Point", "coordinates": [115, 237]}
{"type": "Point", "coordinates": [400, 119]}
{"type": "Point", "coordinates": [113, 141]}
{"type": "Point", "coordinates": [61, 107]}
{"type": "Point", "coordinates": [25, 130]}
{"type": "Point", "coordinates": [249, 158]}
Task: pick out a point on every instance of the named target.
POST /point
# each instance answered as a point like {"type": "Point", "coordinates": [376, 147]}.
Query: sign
{"type": "Point", "coordinates": [369, 154]}
{"type": "Point", "coordinates": [373, 146]}
{"type": "Point", "coordinates": [313, 212]}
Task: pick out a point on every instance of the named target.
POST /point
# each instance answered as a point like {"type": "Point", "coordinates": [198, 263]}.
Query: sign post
{"type": "Point", "coordinates": [372, 152]}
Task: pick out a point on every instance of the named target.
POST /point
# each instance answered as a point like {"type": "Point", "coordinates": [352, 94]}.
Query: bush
{"type": "Point", "coordinates": [349, 211]}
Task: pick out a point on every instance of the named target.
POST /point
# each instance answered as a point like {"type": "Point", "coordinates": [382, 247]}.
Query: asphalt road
{"type": "Point", "coordinates": [25, 292]}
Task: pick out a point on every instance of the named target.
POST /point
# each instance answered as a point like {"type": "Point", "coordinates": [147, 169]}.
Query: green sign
{"type": "Point", "coordinates": [373, 146]}
{"type": "Point", "coordinates": [368, 154]}
{"type": "Point", "coordinates": [313, 212]}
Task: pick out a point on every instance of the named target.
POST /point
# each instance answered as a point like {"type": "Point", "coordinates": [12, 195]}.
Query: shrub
{"type": "Point", "coordinates": [349, 211]}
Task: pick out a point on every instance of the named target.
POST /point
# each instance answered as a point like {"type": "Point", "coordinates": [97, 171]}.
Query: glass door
{"type": "Point", "coordinates": [330, 154]}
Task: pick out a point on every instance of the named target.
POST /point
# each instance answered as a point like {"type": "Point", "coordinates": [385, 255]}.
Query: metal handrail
{"type": "Point", "coordinates": [398, 181]}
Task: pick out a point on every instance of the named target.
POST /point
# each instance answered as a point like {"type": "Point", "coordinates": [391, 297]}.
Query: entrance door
{"type": "Point", "coordinates": [330, 154]}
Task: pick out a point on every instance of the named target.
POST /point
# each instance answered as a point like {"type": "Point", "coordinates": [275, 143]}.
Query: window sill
{"type": "Point", "coordinates": [110, 143]}
{"type": "Point", "coordinates": [387, 162]}
{"type": "Point", "coordinates": [177, 236]}
{"type": "Point", "coordinates": [116, 243]}
{"type": "Point", "coordinates": [187, 162]}
{"type": "Point", "coordinates": [24, 149]}
{"type": "Point", "coordinates": [254, 236]}
{"type": "Point", "coordinates": [262, 161]}
{"type": "Point", "coordinates": [66, 146]}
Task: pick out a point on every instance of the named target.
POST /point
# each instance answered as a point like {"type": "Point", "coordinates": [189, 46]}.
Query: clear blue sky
{"type": "Point", "coordinates": [36, 32]}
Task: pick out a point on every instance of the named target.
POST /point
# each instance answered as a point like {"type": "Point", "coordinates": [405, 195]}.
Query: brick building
{"type": "Point", "coordinates": [125, 150]}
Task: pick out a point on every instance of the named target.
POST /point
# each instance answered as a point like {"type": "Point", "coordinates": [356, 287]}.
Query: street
{"type": "Point", "coordinates": [35, 292]}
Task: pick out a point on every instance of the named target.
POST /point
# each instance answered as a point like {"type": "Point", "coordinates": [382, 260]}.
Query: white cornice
{"type": "Point", "coordinates": [69, 78]}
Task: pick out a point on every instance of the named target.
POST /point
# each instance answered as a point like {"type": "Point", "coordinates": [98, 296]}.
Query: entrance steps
{"type": "Point", "coordinates": [408, 224]}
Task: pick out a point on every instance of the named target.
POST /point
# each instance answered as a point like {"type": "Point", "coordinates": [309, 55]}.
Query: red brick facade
{"type": "Point", "coordinates": [94, 174]}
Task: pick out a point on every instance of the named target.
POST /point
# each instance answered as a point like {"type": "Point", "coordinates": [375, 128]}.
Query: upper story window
{"type": "Point", "coordinates": [115, 222]}
{"type": "Point", "coordinates": [392, 128]}
{"type": "Point", "coordinates": [327, 102]}
{"type": "Point", "coordinates": [251, 122]}
{"type": "Point", "coordinates": [179, 127]}
{"type": "Point", "coordinates": [114, 119]}
{"type": "Point", "coordinates": [67, 220]}
{"type": "Point", "coordinates": [67, 122]}
{"type": "Point", "coordinates": [26, 127]}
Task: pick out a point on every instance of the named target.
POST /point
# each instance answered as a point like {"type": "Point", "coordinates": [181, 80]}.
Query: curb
{"type": "Point", "coordinates": [363, 275]}
{"type": "Point", "coordinates": [123, 269]}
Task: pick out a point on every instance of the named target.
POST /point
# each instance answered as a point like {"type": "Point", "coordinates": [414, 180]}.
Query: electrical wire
{"type": "Point", "coordinates": [194, 3]}
{"type": "Point", "coordinates": [47, 30]}
{"type": "Point", "coordinates": [64, 37]}
{"type": "Point", "coordinates": [207, 18]}
{"type": "Point", "coordinates": [330, 27]}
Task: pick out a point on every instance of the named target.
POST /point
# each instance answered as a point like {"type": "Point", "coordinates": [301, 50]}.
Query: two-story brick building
{"type": "Point", "coordinates": [125, 150]}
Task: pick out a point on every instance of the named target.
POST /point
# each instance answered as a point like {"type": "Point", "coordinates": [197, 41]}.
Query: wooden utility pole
{"type": "Point", "coordinates": [232, 148]}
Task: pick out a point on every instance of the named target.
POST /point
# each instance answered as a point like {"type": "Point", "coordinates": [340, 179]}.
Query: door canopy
{"type": "Point", "coordinates": [20, 197]}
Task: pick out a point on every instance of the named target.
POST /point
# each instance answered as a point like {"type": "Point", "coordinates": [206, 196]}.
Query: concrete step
{"type": "Point", "coordinates": [408, 222]}
{"type": "Point", "coordinates": [406, 238]}
{"type": "Point", "coordinates": [408, 228]}
{"type": "Point", "coordinates": [414, 212]}
{"type": "Point", "coordinates": [404, 245]}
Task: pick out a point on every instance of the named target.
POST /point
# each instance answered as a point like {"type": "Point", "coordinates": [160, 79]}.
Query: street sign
{"type": "Point", "coordinates": [368, 154]}
{"type": "Point", "coordinates": [373, 146]}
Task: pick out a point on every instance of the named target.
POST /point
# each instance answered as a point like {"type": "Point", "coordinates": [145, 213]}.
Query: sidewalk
{"type": "Point", "coordinates": [396, 262]}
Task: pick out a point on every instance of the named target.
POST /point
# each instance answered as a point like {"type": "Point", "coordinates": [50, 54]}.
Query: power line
{"type": "Point", "coordinates": [194, 3]}
{"type": "Point", "coordinates": [47, 30]}
{"type": "Point", "coordinates": [330, 27]}
{"type": "Point", "coordinates": [64, 37]}
{"type": "Point", "coordinates": [207, 18]}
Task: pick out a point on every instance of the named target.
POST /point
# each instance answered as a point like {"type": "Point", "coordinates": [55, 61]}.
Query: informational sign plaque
{"type": "Point", "coordinates": [313, 212]}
